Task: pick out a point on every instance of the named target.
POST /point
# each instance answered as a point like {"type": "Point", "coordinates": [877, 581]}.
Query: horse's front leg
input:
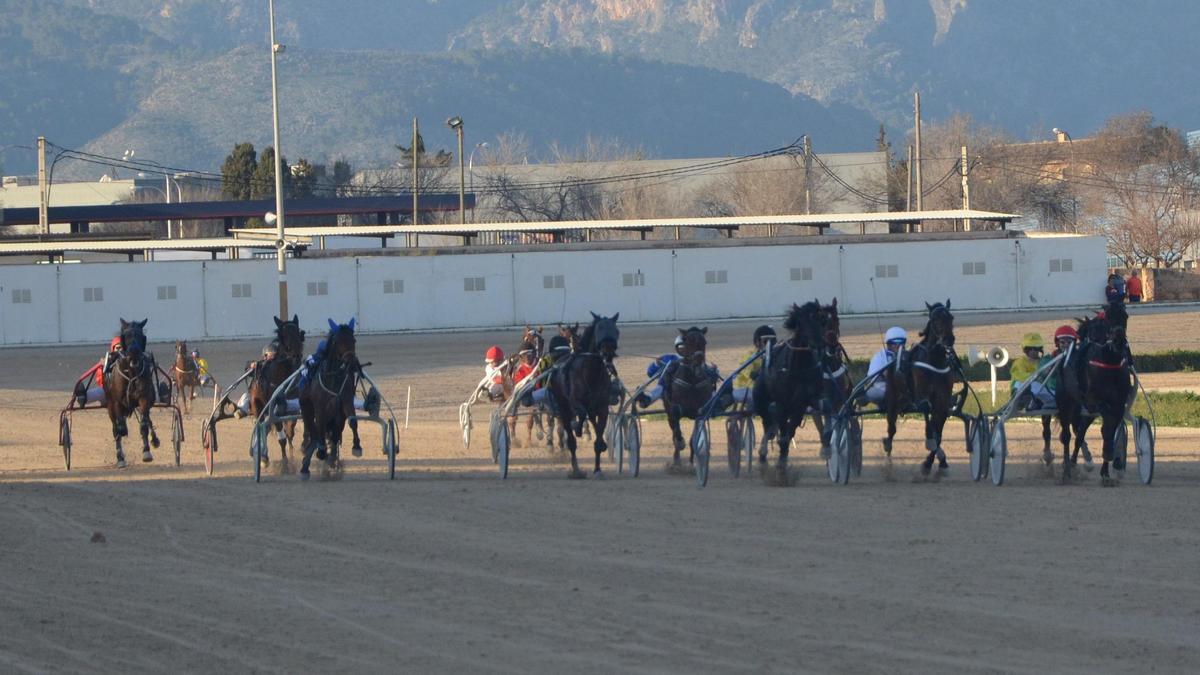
{"type": "Point", "coordinates": [1108, 429]}
{"type": "Point", "coordinates": [1047, 454]}
{"type": "Point", "coordinates": [119, 429]}
{"type": "Point", "coordinates": [145, 428]}
{"type": "Point", "coordinates": [599, 422]}
{"type": "Point", "coordinates": [674, 412]}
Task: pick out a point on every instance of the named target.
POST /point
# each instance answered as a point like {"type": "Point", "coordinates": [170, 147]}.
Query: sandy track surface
{"type": "Point", "coordinates": [449, 569]}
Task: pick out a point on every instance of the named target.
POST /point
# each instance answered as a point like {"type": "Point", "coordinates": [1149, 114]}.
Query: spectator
{"type": "Point", "coordinates": [1115, 290]}
{"type": "Point", "coordinates": [1133, 287]}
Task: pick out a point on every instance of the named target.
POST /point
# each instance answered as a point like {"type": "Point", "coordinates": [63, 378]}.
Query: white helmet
{"type": "Point", "coordinates": [895, 334]}
{"type": "Point", "coordinates": [678, 341]}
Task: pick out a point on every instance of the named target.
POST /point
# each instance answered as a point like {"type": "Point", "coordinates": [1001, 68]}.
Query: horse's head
{"type": "Point", "coordinates": [604, 335]}
{"type": "Point", "coordinates": [571, 333]}
{"type": "Point", "coordinates": [939, 331]}
{"type": "Point", "coordinates": [290, 337]}
{"type": "Point", "coordinates": [1118, 321]}
{"type": "Point", "coordinates": [340, 344]}
{"type": "Point", "coordinates": [181, 351]}
{"type": "Point", "coordinates": [833, 326]}
{"type": "Point", "coordinates": [532, 337]}
{"type": "Point", "coordinates": [1093, 329]}
{"type": "Point", "coordinates": [133, 337]}
{"type": "Point", "coordinates": [695, 343]}
{"type": "Point", "coordinates": [807, 324]}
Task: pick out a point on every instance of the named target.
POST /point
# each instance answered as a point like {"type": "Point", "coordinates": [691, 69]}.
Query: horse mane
{"type": "Point", "coordinates": [798, 315]}
{"type": "Point", "coordinates": [587, 341]}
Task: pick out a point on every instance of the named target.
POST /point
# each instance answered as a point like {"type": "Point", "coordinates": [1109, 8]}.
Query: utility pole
{"type": "Point", "coordinates": [280, 242]}
{"type": "Point", "coordinates": [966, 188]}
{"type": "Point", "coordinates": [43, 191]}
{"type": "Point", "coordinates": [908, 183]}
{"type": "Point", "coordinates": [917, 136]}
{"type": "Point", "coordinates": [807, 175]}
{"type": "Point", "coordinates": [416, 169]}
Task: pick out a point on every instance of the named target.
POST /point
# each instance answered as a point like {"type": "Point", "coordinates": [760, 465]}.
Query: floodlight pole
{"type": "Point", "coordinates": [280, 244]}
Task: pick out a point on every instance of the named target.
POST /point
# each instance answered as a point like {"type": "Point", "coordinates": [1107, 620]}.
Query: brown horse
{"type": "Point", "coordinates": [582, 387]}
{"type": "Point", "coordinates": [526, 357]}
{"type": "Point", "coordinates": [925, 383]}
{"type": "Point", "coordinates": [129, 386]}
{"type": "Point", "coordinates": [270, 373]}
{"type": "Point", "coordinates": [688, 384]}
{"type": "Point", "coordinates": [186, 375]}
{"type": "Point", "coordinates": [327, 400]}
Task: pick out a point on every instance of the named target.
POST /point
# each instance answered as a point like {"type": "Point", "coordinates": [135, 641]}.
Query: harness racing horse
{"type": "Point", "coordinates": [835, 373]}
{"type": "Point", "coordinates": [582, 386]}
{"type": "Point", "coordinates": [926, 384]}
{"type": "Point", "coordinates": [270, 373]}
{"type": "Point", "coordinates": [791, 380]}
{"type": "Point", "coordinates": [527, 355]}
{"type": "Point", "coordinates": [327, 401]}
{"type": "Point", "coordinates": [129, 386]}
{"type": "Point", "coordinates": [688, 384]}
{"type": "Point", "coordinates": [186, 374]}
{"type": "Point", "coordinates": [1103, 371]}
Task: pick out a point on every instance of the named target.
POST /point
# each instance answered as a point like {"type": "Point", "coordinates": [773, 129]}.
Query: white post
{"type": "Point", "coordinates": [280, 244]}
{"type": "Point", "coordinates": [43, 189]}
{"type": "Point", "coordinates": [407, 403]}
{"type": "Point", "coordinates": [993, 386]}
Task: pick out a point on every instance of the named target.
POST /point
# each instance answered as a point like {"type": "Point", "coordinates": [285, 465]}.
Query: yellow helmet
{"type": "Point", "coordinates": [1032, 340]}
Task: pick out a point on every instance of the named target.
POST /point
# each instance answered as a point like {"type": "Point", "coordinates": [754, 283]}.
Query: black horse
{"type": "Point", "coordinates": [838, 384]}
{"type": "Point", "coordinates": [926, 383]}
{"type": "Point", "coordinates": [129, 387]}
{"type": "Point", "coordinates": [270, 372]}
{"type": "Point", "coordinates": [582, 386]}
{"type": "Point", "coordinates": [792, 380]}
{"type": "Point", "coordinates": [1096, 381]}
{"type": "Point", "coordinates": [327, 400]}
{"type": "Point", "coordinates": [687, 384]}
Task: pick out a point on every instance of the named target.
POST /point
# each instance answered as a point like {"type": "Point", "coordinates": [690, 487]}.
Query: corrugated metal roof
{"type": "Point", "coordinates": [126, 245]}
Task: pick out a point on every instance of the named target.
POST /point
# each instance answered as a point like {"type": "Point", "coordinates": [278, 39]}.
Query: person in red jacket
{"type": "Point", "coordinates": [1133, 287]}
{"type": "Point", "coordinates": [85, 394]}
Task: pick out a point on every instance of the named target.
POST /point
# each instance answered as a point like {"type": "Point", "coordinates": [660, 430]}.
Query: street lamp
{"type": "Point", "coordinates": [167, 184]}
{"type": "Point", "coordinates": [456, 123]}
{"type": "Point", "coordinates": [471, 169]}
{"type": "Point", "coordinates": [280, 244]}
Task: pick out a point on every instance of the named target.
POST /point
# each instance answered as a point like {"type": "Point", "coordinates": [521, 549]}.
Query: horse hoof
{"type": "Point", "coordinates": [926, 468]}
{"type": "Point", "coordinates": [825, 451]}
{"type": "Point", "coordinates": [356, 451]}
{"type": "Point", "coordinates": [147, 457]}
{"type": "Point", "coordinates": [576, 474]}
{"type": "Point", "coordinates": [1108, 481]}
{"type": "Point", "coordinates": [1047, 457]}
{"type": "Point", "coordinates": [120, 463]}
{"type": "Point", "coordinates": [598, 475]}
{"type": "Point", "coordinates": [154, 442]}
{"type": "Point", "coordinates": [304, 475]}
{"type": "Point", "coordinates": [321, 454]}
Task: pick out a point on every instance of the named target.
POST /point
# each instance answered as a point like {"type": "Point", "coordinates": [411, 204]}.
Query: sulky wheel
{"type": "Point", "coordinates": [64, 439]}
{"type": "Point", "coordinates": [838, 464]}
{"type": "Point", "coordinates": [392, 448]}
{"type": "Point", "coordinates": [701, 446]}
{"type": "Point", "coordinates": [208, 436]}
{"type": "Point", "coordinates": [734, 438]}
{"type": "Point", "coordinates": [749, 442]}
{"type": "Point", "coordinates": [177, 436]}
{"type": "Point", "coordinates": [978, 440]}
{"type": "Point", "coordinates": [1143, 446]}
{"type": "Point", "coordinates": [1120, 448]}
{"type": "Point", "coordinates": [494, 426]}
{"type": "Point", "coordinates": [633, 444]}
{"type": "Point", "coordinates": [998, 453]}
{"type": "Point", "coordinates": [464, 421]}
{"type": "Point", "coordinates": [616, 440]}
{"type": "Point", "coordinates": [856, 447]}
{"type": "Point", "coordinates": [258, 448]}
{"type": "Point", "coordinates": [502, 450]}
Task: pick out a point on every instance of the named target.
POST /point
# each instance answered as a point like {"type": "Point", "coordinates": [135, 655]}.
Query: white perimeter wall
{"type": "Point", "coordinates": [430, 291]}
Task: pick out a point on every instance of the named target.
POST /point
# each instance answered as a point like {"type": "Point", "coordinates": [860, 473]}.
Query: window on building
{"type": "Point", "coordinates": [801, 274]}
{"type": "Point", "coordinates": [471, 284]}
{"type": "Point", "coordinates": [887, 271]}
{"type": "Point", "coordinates": [166, 293]}
{"type": "Point", "coordinates": [553, 281]}
{"type": "Point", "coordinates": [22, 296]}
{"type": "Point", "coordinates": [93, 295]}
{"type": "Point", "coordinates": [393, 286]}
{"type": "Point", "coordinates": [1062, 265]}
{"type": "Point", "coordinates": [241, 290]}
{"type": "Point", "coordinates": [973, 268]}
{"type": "Point", "coordinates": [318, 288]}
{"type": "Point", "coordinates": [716, 277]}
{"type": "Point", "coordinates": [633, 279]}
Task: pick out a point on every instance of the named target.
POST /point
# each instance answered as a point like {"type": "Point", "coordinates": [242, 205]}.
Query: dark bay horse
{"type": "Point", "coordinates": [186, 375]}
{"type": "Point", "coordinates": [581, 387]}
{"type": "Point", "coordinates": [926, 383]}
{"type": "Point", "coordinates": [129, 386]}
{"type": "Point", "coordinates": [835, 372]}
{"type": "Point", "coordinates": [687, 384]}
{"type": "Point", "coordinates": [791, 380]}
{"type": "Point", "coordinates": [1096, 381]}
{"type": "Point", "coordinates": [527, 355]}
{"type": "Point", "coordinates": [327, 401]}
{"type": "Point", "coordinates": [269, 373]}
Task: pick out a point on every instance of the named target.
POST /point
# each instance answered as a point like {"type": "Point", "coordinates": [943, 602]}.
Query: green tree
{"type": "Point", "coordinates": [237, 173]}
{"type": "Point", "coordinates": [263, 182]}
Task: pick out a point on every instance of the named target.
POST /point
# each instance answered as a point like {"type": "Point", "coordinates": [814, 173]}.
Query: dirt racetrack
{"type": "Point", "coordinates": [449, 569]}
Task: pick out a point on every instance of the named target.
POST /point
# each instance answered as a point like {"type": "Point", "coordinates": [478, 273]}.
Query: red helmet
{"type": "Point", "coordinates": [1066, 332]}
{"type": "Point", "coordinates": [494, 353]}
{"type": "Point", "coordinates": [115, 344]}
{"type": "Point", "coordinates": [1101, 315]}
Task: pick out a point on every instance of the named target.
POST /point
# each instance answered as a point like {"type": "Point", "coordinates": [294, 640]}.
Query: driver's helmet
{"type": "Point", "coordinates": [1066, 332]}
{"type": "Point", "coordinates": [115, 345]}
{"type": "Point", "coordinates": [678, 343]}
{"type": "Point", "coordinates": [195, 353]}
{"type": "Point", "coordinates": [1032, 341]}
{"type": "Point", "coordinates": [763, 332]}
{"type": "Point", "coordinates": [270, 350]}
{"type": "Point", "coordinates": [494, 353]}
{"type": "Point", "coordinates": [895, 336]}
{"type": "Point", "coordinates": [558, 345]}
